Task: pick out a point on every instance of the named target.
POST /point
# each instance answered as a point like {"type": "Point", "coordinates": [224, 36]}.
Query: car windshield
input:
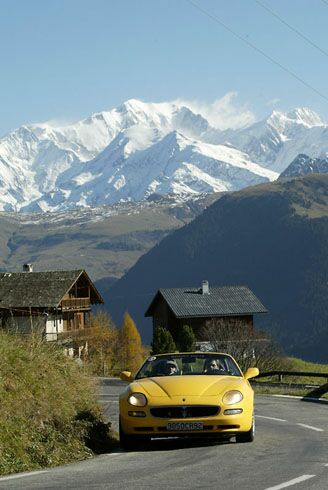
{"type": "Point", "coordinates": [189, 364]}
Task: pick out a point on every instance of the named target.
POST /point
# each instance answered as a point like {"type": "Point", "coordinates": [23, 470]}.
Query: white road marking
{"type": "Point", "coordinates": [311, 427]}
{"type": "Point", "coordinates": [288, 396]}
{"type": "Point", "coordinates": [291, 482]}
{"type": "Point", "coordinates": [22, 475]}
{"type": "Point", "coordinates": [306, 398]}
{"type": "Point", "coordinates": [283, 420]}
{"type": "Point", "coordinates": [270, 418]}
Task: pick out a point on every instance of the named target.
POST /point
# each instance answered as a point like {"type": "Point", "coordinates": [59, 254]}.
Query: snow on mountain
{"type": "Point", "coordinates": [277, 140]}
{"type": "Point", "coordinates": [33, 158]}
{"type": "Point", "coordinates": [140, 148]}
{"type": "Point", "coordinates": [303, 165]}
{"type": "Point", "coordinates": [175, 164]}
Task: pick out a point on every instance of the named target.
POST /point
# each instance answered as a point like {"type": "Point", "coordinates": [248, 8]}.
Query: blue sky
{"type": "Point", "coordinates": [64, 60]}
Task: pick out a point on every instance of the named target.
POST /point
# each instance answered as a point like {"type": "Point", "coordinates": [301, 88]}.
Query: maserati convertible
{"type": "Point", "coordinates": [187, 394]}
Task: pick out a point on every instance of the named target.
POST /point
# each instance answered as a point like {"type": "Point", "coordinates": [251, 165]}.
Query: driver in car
{"type": "Point", "coordinates": [171, 368]}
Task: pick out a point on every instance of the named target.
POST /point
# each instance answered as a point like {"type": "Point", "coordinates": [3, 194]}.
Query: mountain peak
{"type": "Point", "coordinates": [303, 164]}
{"type": "Point", "coordinates": [305, 116]}
{"type": "Point", "coordinates": [133, 104]}
{"type": "Point", "coordinates": [300, 115]}
{"type": "Point", "coordinates": [141, 147]}
{"type": "Point", "coordinates": [175, 138]}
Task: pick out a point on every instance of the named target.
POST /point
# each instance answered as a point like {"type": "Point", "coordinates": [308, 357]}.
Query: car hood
{"type": "Point", "coordinates": [172, 386]}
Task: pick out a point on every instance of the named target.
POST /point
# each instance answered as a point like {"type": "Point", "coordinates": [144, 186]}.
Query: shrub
{"type": "Point", "coordinates": [186, 339]}
{"type": "Point", "coordinates": [163, 341]}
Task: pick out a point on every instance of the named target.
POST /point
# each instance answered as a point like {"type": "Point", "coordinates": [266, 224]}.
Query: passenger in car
{"type": "Point", "coordinates": [212, 366]}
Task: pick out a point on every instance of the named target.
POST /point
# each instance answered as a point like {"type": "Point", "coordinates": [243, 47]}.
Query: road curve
{"type": "Point", "coordinates": [290, 450]}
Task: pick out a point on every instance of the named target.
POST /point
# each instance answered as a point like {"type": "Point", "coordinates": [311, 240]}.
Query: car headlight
{"type": "Point", "coordinates": [137, 400]}
{"type": "Point", "coordinates": [232, 397]}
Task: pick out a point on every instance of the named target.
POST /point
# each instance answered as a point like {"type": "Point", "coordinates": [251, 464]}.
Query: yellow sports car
{"type": "Point", "coordinates": [186, 395]}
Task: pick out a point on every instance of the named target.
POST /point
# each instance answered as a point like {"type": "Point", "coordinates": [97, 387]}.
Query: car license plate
{"type": "Point", "coordinates": [184, 426]}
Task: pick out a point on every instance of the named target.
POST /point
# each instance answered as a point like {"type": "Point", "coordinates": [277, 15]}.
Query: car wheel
{"type": "Point", "coordinates": [247, 436]}
{"type": "Point", "coordinates": [130, 442]}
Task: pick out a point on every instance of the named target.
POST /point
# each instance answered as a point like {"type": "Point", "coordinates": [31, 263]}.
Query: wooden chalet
{"type": "Point", "coordinates": [55, 303]}
{"type": "Point", "coordinates": [172, 308]}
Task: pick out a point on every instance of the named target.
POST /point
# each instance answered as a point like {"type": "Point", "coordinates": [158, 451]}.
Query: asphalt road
{"type": "Point", "coordinates": [290, 450]}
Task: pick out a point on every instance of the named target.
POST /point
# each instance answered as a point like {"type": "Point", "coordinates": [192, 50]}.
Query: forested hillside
{"type": "Point", "coordinates": [272, 238]}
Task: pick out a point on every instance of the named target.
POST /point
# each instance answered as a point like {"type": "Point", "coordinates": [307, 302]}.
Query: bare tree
{"type": "Point", "coordinates": [248, 346]}
{"type": "Point", "coordinates": [102, 338]}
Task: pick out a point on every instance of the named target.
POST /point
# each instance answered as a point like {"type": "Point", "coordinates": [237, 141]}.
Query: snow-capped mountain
{"type": "Point", "coordinates": [303, 165]}
{"type": "Point", "coordinates": [277, 140]}
{"type": "Point", "coordinates": [138, 165]}
{"type": "Point", "coordinates": [140, 148]}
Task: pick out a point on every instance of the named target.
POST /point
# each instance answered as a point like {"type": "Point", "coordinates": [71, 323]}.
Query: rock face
{"type": "Point", "coordinates": [140, 148]}
{"type": "Point", "coordinates": [272, 238]}
{"type": "Point", "coordinates": [303, 165]}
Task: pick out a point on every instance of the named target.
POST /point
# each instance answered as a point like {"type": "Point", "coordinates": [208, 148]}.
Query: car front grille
{"type": "Point", "coordinates": [185, 412]}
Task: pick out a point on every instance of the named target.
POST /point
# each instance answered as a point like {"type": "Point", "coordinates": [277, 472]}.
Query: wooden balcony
{"type": "Point", "coordinates": [81, 334]}
{"type": "Point", "coordinates": [76, 304]}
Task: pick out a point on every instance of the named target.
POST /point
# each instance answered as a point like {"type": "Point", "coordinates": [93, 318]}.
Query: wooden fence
{"type": "Point", "coordinates": [316, 391]}
{"type": "Point", "coordinates": [280, 374]}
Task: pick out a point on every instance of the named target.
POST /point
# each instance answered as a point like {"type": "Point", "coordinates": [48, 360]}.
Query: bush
{"type": "Point", "coordinates": [186, 339]}
{"type": "Point", "coordinates": [163, 341]}
{"type": "Point", "coordinates": [48, 410]}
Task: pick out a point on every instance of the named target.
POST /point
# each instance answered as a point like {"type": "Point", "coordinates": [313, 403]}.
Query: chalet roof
{"type": "Point", "coordinates": [220, 301]}
{"type": "Point", "coordinates": [40, 289]}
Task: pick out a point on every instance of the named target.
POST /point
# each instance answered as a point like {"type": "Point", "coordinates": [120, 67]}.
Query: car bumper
{"type": "Point", "coordinates": [157, 427]}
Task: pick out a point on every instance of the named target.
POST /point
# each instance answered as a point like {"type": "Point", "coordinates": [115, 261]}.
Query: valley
{"type": "Point", "coordinates": [105, 241]}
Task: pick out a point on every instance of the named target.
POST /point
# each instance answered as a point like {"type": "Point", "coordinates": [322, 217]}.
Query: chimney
{"type": "Point", "coordinates": [27, 268]}
{"type": "Point", "coordinates": [205, 287]}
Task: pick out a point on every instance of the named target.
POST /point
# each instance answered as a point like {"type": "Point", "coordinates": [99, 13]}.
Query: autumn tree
{"type": "Point", "coordinates": [163, 341]}
{"type": "Point", "coordinates": [186, 339]}
{"type": "Point", "coordinates": [131, 350]}
{"type": "Point", "coordinates": [102, 338]}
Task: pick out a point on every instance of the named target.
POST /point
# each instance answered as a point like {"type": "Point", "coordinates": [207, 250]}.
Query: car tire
{"type": "Point", "coordinates": [130, 442]}
{"type": "Point", "coordinates": [247, 436]}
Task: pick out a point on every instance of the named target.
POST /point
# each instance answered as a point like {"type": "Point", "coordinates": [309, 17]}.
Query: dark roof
{"type": "Point", "coordinates": [221, 301]}
{"type": "Point", "coordinates": [40, 289]}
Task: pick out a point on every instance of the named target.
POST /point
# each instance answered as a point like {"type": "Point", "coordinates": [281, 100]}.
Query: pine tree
{"type": "Point", "coordinates": [186, 339]}
{"type": "Point", "coordinates": [131, 349]}
{"type": "Point", "coordinates": [163, 341]}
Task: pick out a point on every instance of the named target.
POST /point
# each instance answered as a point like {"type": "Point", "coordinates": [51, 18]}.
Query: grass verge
{"type": "Point", "coordinates": [262, 384]}
{"type": "Point", "coordinates": [48, 411]}
{"type": "Point", "coordinates": [284, 390]}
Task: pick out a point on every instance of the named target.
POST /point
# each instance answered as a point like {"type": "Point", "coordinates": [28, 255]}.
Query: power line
{"type": "Point", "coordinates": [325, 2]}
{"type": "Point", "coordinates": [258, 50]}
{"type": "Point", "coordinates": [299, 33]}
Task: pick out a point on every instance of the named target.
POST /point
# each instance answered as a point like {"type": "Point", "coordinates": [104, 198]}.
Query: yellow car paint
{"type": "Point", "coordinates": [188, 392]}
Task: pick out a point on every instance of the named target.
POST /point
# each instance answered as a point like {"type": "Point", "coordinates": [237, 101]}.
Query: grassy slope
{"type": "Point", "coordinates": [105, 247]}
{"type": "Point", "coordinates": [300, 366]}
{"type": "Point", "coordinates": [48, 413]}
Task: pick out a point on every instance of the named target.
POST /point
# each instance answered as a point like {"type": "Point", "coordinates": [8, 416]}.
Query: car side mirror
{"type": "Point", "coordinates": [126, 376]}
{"type": "Point", "coordinates": [251, 373]}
